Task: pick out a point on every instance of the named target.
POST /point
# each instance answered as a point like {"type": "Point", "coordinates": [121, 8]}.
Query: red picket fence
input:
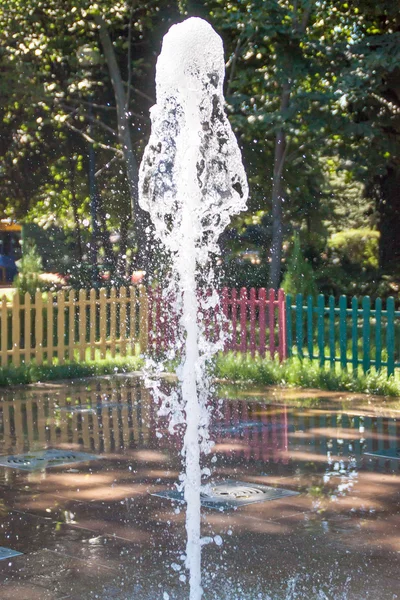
{"type": "Point", "coordinates": [254, 321]}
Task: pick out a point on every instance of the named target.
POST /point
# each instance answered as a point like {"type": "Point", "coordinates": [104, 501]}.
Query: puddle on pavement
{"type": "Point", "coordinates": [339, 455]}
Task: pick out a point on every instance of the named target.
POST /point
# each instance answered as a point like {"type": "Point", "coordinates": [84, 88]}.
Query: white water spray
{"type": "Point", "coordinates": [191, 182]}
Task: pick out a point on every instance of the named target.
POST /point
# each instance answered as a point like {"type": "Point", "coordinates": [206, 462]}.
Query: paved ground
{"type": "Point", "coordinates": [93, 529]}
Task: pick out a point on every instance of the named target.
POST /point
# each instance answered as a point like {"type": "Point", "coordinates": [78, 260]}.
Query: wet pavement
{"type": "Point", "coordinates": [95, 529]}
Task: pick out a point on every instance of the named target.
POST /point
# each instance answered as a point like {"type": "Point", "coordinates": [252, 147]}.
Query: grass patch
{"type": "Point", "coordinates": [301, 373]}
{"type": "Point", "coordinates": [229, 367]}
{"type": "Point", "coordinates": [33, 373]}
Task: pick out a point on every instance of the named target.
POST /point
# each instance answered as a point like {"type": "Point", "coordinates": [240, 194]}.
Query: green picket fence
{"type": "Point", "coordinates": [352, 332]}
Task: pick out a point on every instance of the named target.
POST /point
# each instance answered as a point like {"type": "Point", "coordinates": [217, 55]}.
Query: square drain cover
{"type": "Point", "coordinates": [389, 453]}
{"type": "Point", "coordinates": [36, 461]}
{"type": "Point", "coordinates": [8, 553]}
{"type": "Point", "coordinates": [231, 494]}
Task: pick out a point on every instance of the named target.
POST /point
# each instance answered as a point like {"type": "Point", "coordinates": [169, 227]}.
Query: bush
{"type": "Point", "coordinates": [356, 246]}
{"type": "Point", "coordinates": [236, 273]}
{"type": "Point", "coordinates": [299, 277]}
{"type": "Point", "coordinates": [29, 270]}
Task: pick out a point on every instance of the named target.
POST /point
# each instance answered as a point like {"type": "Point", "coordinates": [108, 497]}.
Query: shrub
{"type": "Point", "coordinates": [29, 270]}
{"type": "Point", "coordinates": [299, 277]}
{"type": "Point", "coordinates": [357, 246]}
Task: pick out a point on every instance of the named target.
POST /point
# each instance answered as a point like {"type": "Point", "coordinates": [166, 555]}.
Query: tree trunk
{"type": "Point", "coordinates": [104, 236]}
{"type": "Point", "coordinates": [300, 22]}
{"type": "Point", "coordinates": [122, 262]}
{"type": "Point", "coordinates": [74, 202]}
{"type": "Point", "coordinates": [139, 217]}
{"type": "Point", "coordinates": [275, 256]}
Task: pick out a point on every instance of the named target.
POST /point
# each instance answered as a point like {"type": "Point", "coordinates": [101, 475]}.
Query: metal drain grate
{"type": "Point", "coordinates": [8, 553]}
{"type": "Point", "coordinates": [231, 494]}
{"type": "Point", "coordinates": [389, 453]}
{"type": "Point", "coordinates": [36, 461]}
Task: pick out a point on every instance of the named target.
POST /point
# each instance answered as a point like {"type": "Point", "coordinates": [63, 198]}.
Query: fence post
{"type": "Point", "coordinates": [390, 335]}
{"type": "Point", "coordinates": [92, 323]}
{"type": "Point", "coordinates": [38, 328]}
{"type": "Point", "coordinates": [310, 328]}
{"type": "Point", "coordinates": [16, 330]}
{"type": "Point", "coordinates": [343, 331]}
{"type": "Point", "coordinates": [225, 317]}
{"type": "Point", "coordinates": [4, 332]}
{"type": "Point", "coordinates": [321, 329]}
{"type": "Point", "coordinates": [103, 323]}
{"type": "Point", "coordinates": [234, 344]}
{"type": "Point", "coordinates": [299, 324]}
{"type": "Point", "coordinates": [157, 325]}
{"type": "Point", "coordinates": [289, 335]}
{"type": "Point", "coordinates": [143, 319]}
{"type": "Point", "coordinates": [61, 326]}
{"type": "Point", "coordinates": [366, 306]}
{"type": "Point", "coordinates": [243, 320]}
{"type": "Point", "coordinates": [82, 324]}
{"type": "Point", "coordinates": [122, 320]}
{"type": "Point", "coordinates": [71, 325]}
{"type": "Point", "coordinates": [282, 320]}
{"type": "Point", "coordinates": [354, 336]}
{"type": "Point", "coordinates": [252, 322]}
{"type": "Point", "coordinates": [27, 327]}
{"type": "Point", "coordinates": [378, 334]}
{"type": "Point", "coordinates": [332, 332]}
{"type": "Point", "coordinates": [262, 306]}
{"type": "Point", "coordinates": [50, 329]}
{"type": "Point", "coordinates": [271, 322]}
{"type": "Point", "coordinates": [132, 318]}
{"type": "Point", "coordinates": [113, 320]}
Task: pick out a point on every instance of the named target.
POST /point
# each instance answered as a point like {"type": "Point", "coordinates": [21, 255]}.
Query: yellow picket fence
{"type": "Point", "coordinates": [73, 326]}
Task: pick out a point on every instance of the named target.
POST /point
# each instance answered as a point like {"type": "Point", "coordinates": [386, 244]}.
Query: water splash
{"type": "Point", "coordinates": [191, 182]}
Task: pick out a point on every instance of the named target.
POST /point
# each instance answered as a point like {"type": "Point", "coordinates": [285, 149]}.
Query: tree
{"type": "Point", "coordinates": [371, 85]}
{"type": "Point", "coordinates": [83, 69]}
{"type": "Point", "coordinates": [299, 277]}
{"type": "Point", "coordinates": [278, 98]}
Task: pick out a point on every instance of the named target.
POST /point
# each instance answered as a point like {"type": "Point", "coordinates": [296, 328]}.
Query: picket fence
{"type": "Point", "coordinates": [254, 321]}
{"type": "Point", "coordinates": [105, 323]}
{"type": "Point", "coordinates": [98, 324]}
{"type": "Point", "coordinates": [69, 327]}
{"type": "Point", "coordinates": [350, 332]}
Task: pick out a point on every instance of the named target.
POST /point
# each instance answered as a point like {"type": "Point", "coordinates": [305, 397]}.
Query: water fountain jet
{"type": "Point", "coordinates": [192, 182]}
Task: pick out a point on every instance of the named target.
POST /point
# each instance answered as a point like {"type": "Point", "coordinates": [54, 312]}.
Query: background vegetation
{"type": "Point", "coordinates": [313, 93]}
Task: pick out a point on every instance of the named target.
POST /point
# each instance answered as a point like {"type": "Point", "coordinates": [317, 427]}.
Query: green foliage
{"type": "Point", "coordinates": [32, 373]}
{"type": "Point", "coordinates": [29, 269]}
{"type": "Point", "coordinates": [56, 245]}
{"type": "Point", "coordinates": [357, 246]}
{"type": "Point", "coordinates": [301, 373]}
{"type": "Point", "coordinates": [341, 123]}
{"type": "Point", "coordinates": [244, 274]}
{"type": "Point", "coordinates": [229, 367]}
{"type": "Point", "coordinates": [299, 277]}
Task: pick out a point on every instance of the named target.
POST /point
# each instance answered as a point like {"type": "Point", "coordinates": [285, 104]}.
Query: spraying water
{"type": "Point", "coordinates": [191, 182]}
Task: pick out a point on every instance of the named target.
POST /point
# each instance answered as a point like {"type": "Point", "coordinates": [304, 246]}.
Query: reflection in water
{"type": "Point", "coordinates": [120, 415]}
{"type": "Point", "coordinates": [341, 525]}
